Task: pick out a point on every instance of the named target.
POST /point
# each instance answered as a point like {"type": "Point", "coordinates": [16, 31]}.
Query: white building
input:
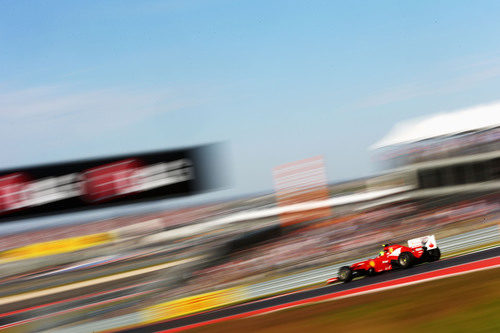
{"type": "Point", "coordinates": [446, 153]}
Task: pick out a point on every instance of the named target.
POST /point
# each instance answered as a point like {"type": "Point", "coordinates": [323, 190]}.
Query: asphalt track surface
{"type": "Point", "coordinates": [134, 289]}
{"type": "Point", "coordinates": [301, 295]}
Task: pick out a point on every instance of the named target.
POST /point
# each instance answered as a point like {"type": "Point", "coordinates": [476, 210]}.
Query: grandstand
{"type": "Point", "coordinates": [456, 152]}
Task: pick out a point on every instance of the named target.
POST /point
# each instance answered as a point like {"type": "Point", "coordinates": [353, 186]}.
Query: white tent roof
{"type": "Point", "coordinates": [441, 124]}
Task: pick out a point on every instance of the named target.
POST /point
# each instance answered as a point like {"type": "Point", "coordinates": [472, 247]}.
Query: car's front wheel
{"type": "Point", "coordinates": [345, 274]}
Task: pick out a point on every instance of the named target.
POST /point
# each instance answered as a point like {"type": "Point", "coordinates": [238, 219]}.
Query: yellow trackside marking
{"type": "Point", "coordinates": [55, 247]}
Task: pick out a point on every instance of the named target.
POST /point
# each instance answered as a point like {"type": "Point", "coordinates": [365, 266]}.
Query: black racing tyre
{"type": "Point", "coordinates": [405, 259]}
{"type": "Point", "coordinates": [345, 274]}
{"type": "Point", "coordinates": [434, 254]}
{"type": "Point", "coordinates": [370, 271]}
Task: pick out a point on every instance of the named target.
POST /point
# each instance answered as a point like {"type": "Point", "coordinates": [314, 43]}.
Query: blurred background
{"type": "Point", "coordinates": [160, 150]}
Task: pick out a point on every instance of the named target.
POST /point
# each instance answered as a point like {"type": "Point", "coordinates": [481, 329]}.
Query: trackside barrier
{"type": "Point", "coordinates": [489, 235]}
{"type": "Point", "coordinates": [55, 247]}
{"type": "Point", "coordinates": [207, 301]}
{"type": "Point", "coordinates": [130, 319]}
{"type": "Point", "coordinates": [211, 300]}
{"type": "Point", "coordinates": [470, 239]}
{"type": "Point", "coordinates": [193, 304]}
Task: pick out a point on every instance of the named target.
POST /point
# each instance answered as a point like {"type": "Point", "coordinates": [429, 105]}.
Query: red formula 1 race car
{"type": "Point", "coordinates": [423, 249]}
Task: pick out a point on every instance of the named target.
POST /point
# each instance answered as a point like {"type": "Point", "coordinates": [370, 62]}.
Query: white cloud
{"type": "Point", "coordinates": [96, 110]}
{"type": "Point", "coordinates": [52, 117]}
{"type": "Point", "coordinates": [36, 103]}
{"type": "Point", "coordinates": [455, 79]}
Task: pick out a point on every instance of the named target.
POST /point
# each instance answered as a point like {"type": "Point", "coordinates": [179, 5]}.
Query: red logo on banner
{"type": "Point", "coordinates": [111, 180]}
{"type": "Point", "coordinates": [13, 191]}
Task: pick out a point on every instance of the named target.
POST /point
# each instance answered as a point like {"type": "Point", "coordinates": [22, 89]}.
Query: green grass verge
{"type": "Point", "coordinates": [465, 303]}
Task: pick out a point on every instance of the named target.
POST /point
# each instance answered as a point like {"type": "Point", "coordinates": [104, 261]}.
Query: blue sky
{"type": "Point", "coordinates": [277, 80]}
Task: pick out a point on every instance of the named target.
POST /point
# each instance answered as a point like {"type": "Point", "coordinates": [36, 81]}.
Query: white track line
{"type": "Point", "coordinates": [87, 283]}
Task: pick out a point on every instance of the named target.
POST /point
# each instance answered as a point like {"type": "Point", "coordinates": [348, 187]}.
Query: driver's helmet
{"type": "Point", "coordinates": [381, 253]}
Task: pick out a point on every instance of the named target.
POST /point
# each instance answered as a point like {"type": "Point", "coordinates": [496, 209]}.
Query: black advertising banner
{"type": "Point", "coordinates": [65, 187]}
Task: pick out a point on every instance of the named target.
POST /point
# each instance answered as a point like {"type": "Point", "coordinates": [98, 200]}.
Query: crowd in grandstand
{"type": "Point", "coordinates": [359, 234]}
{"type": "Point", "coordinates": [452, 146]}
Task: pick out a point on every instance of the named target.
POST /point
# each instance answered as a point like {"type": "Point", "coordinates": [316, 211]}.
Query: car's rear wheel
{"type": "Point", "coordinates": [434, 254]}
{"type": "Point", "coordinates": [345, 274]}
{"type": "Point", "coordinates": [405, 260]}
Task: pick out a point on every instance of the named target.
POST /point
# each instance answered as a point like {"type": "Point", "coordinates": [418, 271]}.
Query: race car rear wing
{"type": "Point", "coordinates": [427, 241]}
